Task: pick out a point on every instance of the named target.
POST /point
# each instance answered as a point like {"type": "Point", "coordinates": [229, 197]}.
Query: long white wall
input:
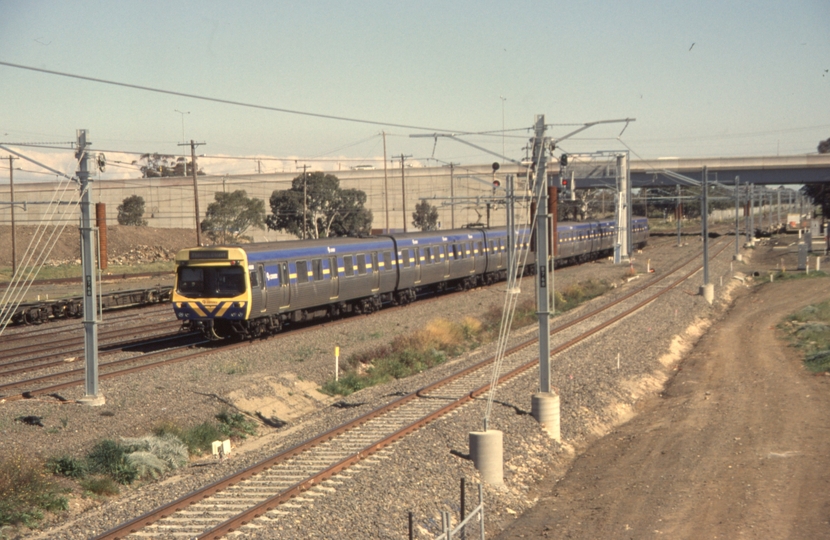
{"type": "Point", "coordinates": [169, 202]}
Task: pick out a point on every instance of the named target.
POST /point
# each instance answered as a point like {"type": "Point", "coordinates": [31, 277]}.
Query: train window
{"type": "Point", "coordinates": [302, 272]}
{"type": "Point", "coordinates": [348, 265]}
{"type": "Point", "coordinates": [361, 263]}
{"type": "Point", "coordinates": [481, 247]}
{"type": "Point", "coordinates": [375, 261]}
{"type": "Point", "coordinates": [334, 271]}
{"type": "Point", "coordinates": [405, 258]}
{"type": "Point", "coordinates": [254, 282]}
{"type": "Point", "coordinates": [492, 247]}
{"type": "Point", "coordinates": [317, 269]}
{"type": "Point", "coordinates": [426, 256]}
{"type": "Point", "coordinates": [387, 260]}
{"type": "Point", "coordinates": [191, 280]}
{"type": "Point", "coordinates": [228, 281]}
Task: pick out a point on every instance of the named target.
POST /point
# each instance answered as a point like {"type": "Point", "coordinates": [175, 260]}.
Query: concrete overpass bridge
{"type": "Point", "coordinates": [764, 170]}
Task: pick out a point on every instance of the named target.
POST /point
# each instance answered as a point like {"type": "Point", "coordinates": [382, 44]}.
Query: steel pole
{"type": "Point", "coordinates": [737, 220]}
{"type": "Point", "coordinates": [11, 199]}
{"type": "Point", "coordinates": [544, 268]}
{"type": "Point", "coordinates": [678, 210]}
{"type": "Point", "coordinates": [195, 191]}
{"type": "Point", "coordinates": [704, 217]}
{"type": "Point", "coordinates": [91, 390]}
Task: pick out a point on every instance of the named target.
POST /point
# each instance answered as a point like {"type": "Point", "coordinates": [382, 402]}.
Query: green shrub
{"type": "Point", "coordinates": [68, 466]}
{"type": "Point", "coordinates": [235, 425]}
{"type": "Point", "coordinates": [110, 458]}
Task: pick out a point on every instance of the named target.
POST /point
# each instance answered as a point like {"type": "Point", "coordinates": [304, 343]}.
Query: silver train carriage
{"type": "Point", "coordinates": [251, 290]}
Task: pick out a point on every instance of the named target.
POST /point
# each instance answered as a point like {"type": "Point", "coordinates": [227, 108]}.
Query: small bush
{"type": "Point", "coordinates": [349, 383]}
{"type": "Point", "coordinates": [154, 455]}
{"type": "Point", "coordinates": [26, 491]}
{"type": "Point", "coordinates": [809, 331]}
{"type": "Point", "coordinates": [68, 466]}
{"type": "Point", "coordinates": [235, 425]}
{"type": "Point", "coordinates": [110, 458]}
{"type": "Point", "coordinates": [198, 439]}
{"type": "Point", "coordinates": [100, 485]}
{"type": "Point", "coordinates": [146, 464]}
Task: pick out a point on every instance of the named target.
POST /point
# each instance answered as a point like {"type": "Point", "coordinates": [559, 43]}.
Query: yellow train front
{"type": "Point", "coordinates": [213, 292]}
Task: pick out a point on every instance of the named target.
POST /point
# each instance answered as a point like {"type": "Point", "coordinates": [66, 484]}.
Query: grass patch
{"type": "Point", "coordinates": [75, 270]}
{"type": "Point", "coordinates": [412, 353]}
{"type": "Point", "coordinates": [26, 491]}
{"type": "Point", "coordinates": [102, 486]}
{"type": "Point", "coordinates": [578, 293]}
{"type": "Point", "coordinates": [789, 276]}
{"type": "Point", "coordinates": [809, 331]}
{"type": "Point", "coordinates": [407, 355]}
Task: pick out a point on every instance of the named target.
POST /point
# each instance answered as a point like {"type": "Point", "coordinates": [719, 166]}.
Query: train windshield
{"type": "Point", "coordinates": [211, 282]}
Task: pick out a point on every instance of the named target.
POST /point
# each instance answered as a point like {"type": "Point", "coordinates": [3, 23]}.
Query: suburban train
{"type": "Point", "coordinates": [252, 290]}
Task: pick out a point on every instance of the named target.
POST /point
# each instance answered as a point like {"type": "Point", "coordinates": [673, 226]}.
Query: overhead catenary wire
{"type": "Point", "coordinates": [511, 299]}
{"type": "Point", "coordinates": [224, 101]}
{"type": "Point", "coordinates": [19, 284]}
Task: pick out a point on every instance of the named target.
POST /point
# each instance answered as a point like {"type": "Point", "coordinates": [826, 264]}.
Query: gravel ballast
{"type": "Point", "coordinates": [420, 473]}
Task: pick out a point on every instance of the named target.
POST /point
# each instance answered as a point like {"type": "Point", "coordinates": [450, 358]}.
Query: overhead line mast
{"type": "Point", "coordinates": [92, 394]}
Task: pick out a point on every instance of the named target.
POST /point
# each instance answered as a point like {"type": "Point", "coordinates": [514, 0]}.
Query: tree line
{"type": "Point", "coordinates": [315, 206]}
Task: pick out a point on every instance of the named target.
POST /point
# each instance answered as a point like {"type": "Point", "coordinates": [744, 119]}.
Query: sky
{"type": "Point", "coordinates": [702, 79]}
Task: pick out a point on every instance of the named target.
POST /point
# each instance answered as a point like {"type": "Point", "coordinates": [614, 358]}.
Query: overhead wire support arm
{"type": "Point", "coordinates": [39, 164]}
{"type": "Point", "coordinates": [592, 124]}
{"type": "Point", "coordinates": [454, 137]}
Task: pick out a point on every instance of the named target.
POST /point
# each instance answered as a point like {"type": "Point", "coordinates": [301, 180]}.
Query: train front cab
{"type": "Point", "coordinates": [212, 288]}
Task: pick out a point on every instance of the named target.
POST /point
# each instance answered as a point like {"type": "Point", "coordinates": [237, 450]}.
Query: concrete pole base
{"type": "Point", "coordinates": [487, 453]}
{"type": "Point", "coordinates": [544, 407]}
{"type": "Point", "coordinates": [93, 401]}
{"type": "Point", "coordinates": [708, 292]}
{"type": "Point", "coordinates": [737, 257]}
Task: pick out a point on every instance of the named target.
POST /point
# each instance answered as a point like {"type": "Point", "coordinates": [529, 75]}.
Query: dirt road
{"type": "Point", "coordinates": [738, 445]}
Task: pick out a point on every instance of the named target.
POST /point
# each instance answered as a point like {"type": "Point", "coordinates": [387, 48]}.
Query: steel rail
{"type": "Point", "coordinates": [106, 335]}
{"type": "Point", "coordinates": [27, 366]}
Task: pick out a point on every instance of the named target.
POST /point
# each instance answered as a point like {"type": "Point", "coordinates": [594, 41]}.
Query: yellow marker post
{"type": "Point", "coordinates": [336, 363]}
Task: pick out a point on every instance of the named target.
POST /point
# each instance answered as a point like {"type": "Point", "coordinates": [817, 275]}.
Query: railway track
{"type": "Point", "coordinates": [171, 354]}
{"type": "Point", "coordinates": [233, 502]}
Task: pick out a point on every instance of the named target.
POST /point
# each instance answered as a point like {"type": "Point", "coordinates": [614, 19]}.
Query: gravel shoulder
{"type": "Point", "coordinates": [735, 446]}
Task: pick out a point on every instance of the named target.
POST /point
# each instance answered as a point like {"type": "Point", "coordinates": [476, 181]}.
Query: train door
{"type": "Point", "coordinates": [285, 285]}
{"type": "Point", "coordinates": [260, 270]}
{"type": "Point", "coordinates": [335, 279]}
{"type": "Point", "coordinates": [444, 260]}
{"type": "Point", "coordinates": [375, 272]}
